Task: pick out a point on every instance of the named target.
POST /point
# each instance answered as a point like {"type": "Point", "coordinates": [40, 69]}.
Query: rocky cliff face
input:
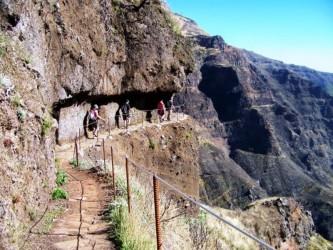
{"type": "Point", "coordinates": [269, 127]}
{"type": "Point", "coordinates": [292, 227]}
{"type": "Point", "coordinates": [58, 58]}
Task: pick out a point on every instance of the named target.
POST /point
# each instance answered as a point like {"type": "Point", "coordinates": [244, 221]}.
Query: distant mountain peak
{"type": "Point", "coordinates": [189, 27]}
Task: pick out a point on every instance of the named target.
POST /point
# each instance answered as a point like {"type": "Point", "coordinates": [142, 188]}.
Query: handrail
{"type": "Point", "coordinates": [204, 207]}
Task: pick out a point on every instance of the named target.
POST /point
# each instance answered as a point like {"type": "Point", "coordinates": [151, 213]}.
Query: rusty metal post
{"type": "Point", "coordinates": [104, 156]}
{"type": "Point", "coordinates": [79, 137]}
{"type": "Point", "coordinates": [74, 151]}
{"type": "Point", "coordinates": [157, 213]}
{"type": "Point", "coordinates": [113, 176]}
{"type": "Point", "coordinates": [77, 151]}
{"type": "Point", "coordinates": [128, 187]}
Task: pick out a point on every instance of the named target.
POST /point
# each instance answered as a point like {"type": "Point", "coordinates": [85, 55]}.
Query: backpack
{"type": "Point", "coordinates": [125, 109]}
{"type": "Point", "coordinates": [92, 115]}
{"type": "Point", "coordinates": [168, 104]}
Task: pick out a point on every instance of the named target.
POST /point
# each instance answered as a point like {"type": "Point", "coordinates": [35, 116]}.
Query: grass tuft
{"type": "Point", "coordinates": [21, 114]}
{"type": "Point", "coordinates": [46, 223]}
{"type": "Point", "coordinates": [46, 126]}
{"type": "Point", "coordinates": [61, 178]}
{"type": "Point", "coordinates": [126, 231]}
{"type": "Point", "coordinates": [32, 215]}
{"type": "Point", "coordinates": [59, 193]}
{"type": "Point", "coordinates": [151, 144]}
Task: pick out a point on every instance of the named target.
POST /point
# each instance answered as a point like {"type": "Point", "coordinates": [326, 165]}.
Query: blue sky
{"type": "Point", "coordinates": [293, 31]}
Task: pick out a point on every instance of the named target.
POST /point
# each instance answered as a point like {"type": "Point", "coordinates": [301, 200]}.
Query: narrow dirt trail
{"type": "Point", "coordinates": [82, 225]}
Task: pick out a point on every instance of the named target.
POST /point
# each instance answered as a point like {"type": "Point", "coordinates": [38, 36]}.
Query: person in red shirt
{"type": "Point", "coordinates": [93, 120]}
{"type": "Point", "coordinates": [161, 110]}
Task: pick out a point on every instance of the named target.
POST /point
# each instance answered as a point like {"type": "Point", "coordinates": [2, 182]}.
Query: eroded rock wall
{"type": "Point", "coordinates": [171, 151]}
{"type": "Point", "coordinates": [57, 60]}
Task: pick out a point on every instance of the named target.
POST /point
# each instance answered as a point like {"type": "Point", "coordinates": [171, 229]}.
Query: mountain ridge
{"type": "Point", "coordinates": [275, 122]}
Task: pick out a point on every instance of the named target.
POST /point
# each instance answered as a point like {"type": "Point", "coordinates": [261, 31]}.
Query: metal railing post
{"type": "Point", "coordinates": [79, 137]}
{"type": "Point", "coordinates": [157, 213]}
{"type": "Point", "coordinates": [113, 176]}
{"type": "Point", "coordinates": [74, 151]}
{"type": "Point", "coordinates": [104, 156]}
{"type": "Point", "coordinates": [77, 151]}
{"type": "Point", "coordinates": [128, 187]}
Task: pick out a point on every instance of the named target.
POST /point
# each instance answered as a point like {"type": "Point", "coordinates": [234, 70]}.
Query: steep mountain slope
{"type": "Point", "coordinates": [269, 126]}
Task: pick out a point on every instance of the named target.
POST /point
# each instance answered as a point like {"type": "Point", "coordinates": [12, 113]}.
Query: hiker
{"type": "Point", "coordinates": [160, 110]}
{"type": "Point", "coordinates": [169, 107]}
{"type": "Point", "coordinates": [93, 118]}
{"type": "Point", "coordinates": [117, 117]}
{"type": "Point", "coordinates": [125, 110]}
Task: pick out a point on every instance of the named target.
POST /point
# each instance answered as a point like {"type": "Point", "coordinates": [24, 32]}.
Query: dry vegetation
{"type": "Point", "coordinates": [183, 226]}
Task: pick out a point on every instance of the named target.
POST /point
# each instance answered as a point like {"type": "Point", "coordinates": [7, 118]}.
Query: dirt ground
{"type": "Point", "coordinates": [82, 223]}
{"type": "Point", "coordinates": [79, 222]}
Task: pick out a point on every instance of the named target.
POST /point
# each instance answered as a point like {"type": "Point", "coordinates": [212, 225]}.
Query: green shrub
{"type": "Point", "coordinates": [32, 215]}
{"type": "Point", "coordinates": [80, 165]}
{"type": "Point", "coordinates": [176, 47]}
{"type": "Point", "coordinates": [151, 144]}
{"type": "Point", "coordinates": [46, 126]}
{"type": "Point", "coordinates": [46, 223]}
{"type": "Point", "coordinates": [61, 178]}
{"type": "Point", "coordinates": [74, 162]}
{"type": "Point", "coordinates": [21, 114]}
{"type": "Point", "coordinates": [26, 60]}
{"type": "Point", "coordinates": [188, 135]}
{"type": "Point", "coordinates": [59, 193]}
{"type": "Point", "coordinates": [57, 161]}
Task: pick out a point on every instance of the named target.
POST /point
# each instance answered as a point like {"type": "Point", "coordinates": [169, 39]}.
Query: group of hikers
{"type": "Point", "coordinates": [94, 117]}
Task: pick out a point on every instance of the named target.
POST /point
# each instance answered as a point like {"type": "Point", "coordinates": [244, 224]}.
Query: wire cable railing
{"type": "Point", "coordinates": [204, 207]}
{"type": "Point", "coordinates": [147, 173]}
